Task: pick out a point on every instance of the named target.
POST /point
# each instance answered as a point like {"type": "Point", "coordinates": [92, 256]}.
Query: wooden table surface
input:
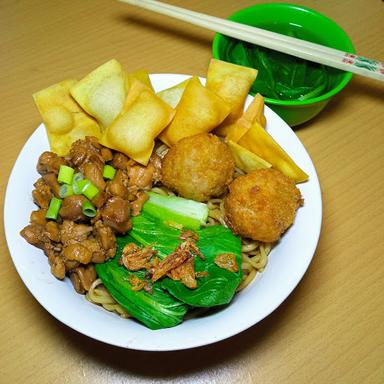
{"type": "Point", "coordinates": [331, 328]}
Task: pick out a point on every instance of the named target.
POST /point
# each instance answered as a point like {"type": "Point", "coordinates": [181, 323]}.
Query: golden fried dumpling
{"type": "Point", "coordinates": [172, 95]}
{"type": "Point", "coordinates": [254, 113]}
{"type": "Point", "coordinates": [199, 110]}
{"type": "Point", "coordinates": [259, 141]}
{"type": "Point", "coordinates": [64, 120]}
{"type": "Point", "coordinates": [246, 160]}
{"type": "Point", "coordinates": [102, 92]}
{"type": "Point", "coordinates": [141, 75]}
{"type": "Point", "coordinates": [232, 83]}
{"type": "Point", "coordinates": [134, 131]}
{"type": "Point", "coordinates": [136, 88]}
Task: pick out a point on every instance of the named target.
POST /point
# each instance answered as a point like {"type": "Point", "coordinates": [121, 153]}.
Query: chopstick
{"type": "Point", "coordinates": [290, 45]}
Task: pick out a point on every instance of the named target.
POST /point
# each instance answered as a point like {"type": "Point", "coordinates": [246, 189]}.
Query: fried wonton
{"type": "Point", "coordinates": [254, 113]}
{"type": "Point", "coordinates": [102, 92]}
{"type": "Point", "coordinates": [199, 110]}
{"type": "Point", "coordinates": [134, 131]}
{"type": "Point", "coordinates": [172, 95]}
{"type": "Point", "coordinates": [63, 118]}
{"type": "Point", "coordinates": [246, 160]}
{"type": "Point", "coordinates": [260, 142]}
{"type": "Point", "coordinates": [141, 76]}
{"type": "Point", "coordinates": [136, 88]}
{"type": "Point", "coordinates": [232, 83]}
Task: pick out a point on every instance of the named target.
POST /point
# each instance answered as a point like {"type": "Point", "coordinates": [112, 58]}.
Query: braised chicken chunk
{"type": "Point", "coordinates": [74, 241]}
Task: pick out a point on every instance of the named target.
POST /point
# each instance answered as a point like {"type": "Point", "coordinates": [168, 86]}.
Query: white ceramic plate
{"type": "Point", "coordinates": [286, 266]}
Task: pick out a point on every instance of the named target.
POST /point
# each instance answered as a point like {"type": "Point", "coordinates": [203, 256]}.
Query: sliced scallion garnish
{"type": "Point", "coordinates": [79, 186]}
{"type": "Point", "coordinates": [65, 190]}
{"type": "Point", "coordinates": [88, 209]}
{"type": "Point", "coordinates": [77, 176]}
{"type": "Point", "coordinates": [90, 190]}
{"type": "Point", "coordinates": [109, 172]}
{"type": "Point", "coordinates": [65, 175]}
{"type": "Point", "coordinates": [53, 209]}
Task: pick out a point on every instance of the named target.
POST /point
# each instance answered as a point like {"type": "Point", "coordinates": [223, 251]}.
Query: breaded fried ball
{"type": "Point", "coordinates": [198, 167]}
{"type": "Point", "coordinates": [261, 205]}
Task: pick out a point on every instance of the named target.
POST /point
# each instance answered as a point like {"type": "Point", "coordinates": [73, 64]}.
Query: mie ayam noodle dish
{"type": "Point", "coordinates": [154, 204]}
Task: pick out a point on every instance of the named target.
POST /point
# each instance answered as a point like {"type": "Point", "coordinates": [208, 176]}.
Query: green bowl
{"type": "Point", "coordinates": [314, 27]}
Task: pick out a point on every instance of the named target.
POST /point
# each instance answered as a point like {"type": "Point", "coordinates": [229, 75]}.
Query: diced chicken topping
{"type": "Point", "coordinates": [75, 242]}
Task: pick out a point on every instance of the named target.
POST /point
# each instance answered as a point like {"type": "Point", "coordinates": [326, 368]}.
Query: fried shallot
{"type": "Point", "coordinates": [135, 258]}
{"type": "Point", "coordinates": [227, 261]}
{"type": "Point", "coordinates": [179, 265]}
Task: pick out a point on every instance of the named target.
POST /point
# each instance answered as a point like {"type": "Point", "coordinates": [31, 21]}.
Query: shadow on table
{"type": "Point", "coordinates": [364, 89]}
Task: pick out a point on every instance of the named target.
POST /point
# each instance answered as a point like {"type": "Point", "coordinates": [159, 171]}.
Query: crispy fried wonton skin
{"type": "Point", "coordinates": [261, 205]}
{"type": "Point", "coordinates": [198, 167]}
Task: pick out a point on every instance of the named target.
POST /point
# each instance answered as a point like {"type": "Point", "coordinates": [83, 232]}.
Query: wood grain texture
{"type": "Point", "coordinates": [331, 329]}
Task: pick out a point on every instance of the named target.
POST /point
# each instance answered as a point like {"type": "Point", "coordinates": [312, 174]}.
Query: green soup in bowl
{"type": "Point", "coordinates": [295, 89]}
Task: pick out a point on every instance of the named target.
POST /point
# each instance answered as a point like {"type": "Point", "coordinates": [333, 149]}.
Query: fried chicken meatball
{"type": "Point", "coordinates": [198, 167]}
{"type": "Point", "coordinates": [262, 204]}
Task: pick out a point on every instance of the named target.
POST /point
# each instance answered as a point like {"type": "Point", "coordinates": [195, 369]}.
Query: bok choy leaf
{"type": "Point", "coordinates": [156, 310]}
{"type": "Point", "coordinates": [219, 286]}
{"type": "Point", "coordinates": [169, 300]}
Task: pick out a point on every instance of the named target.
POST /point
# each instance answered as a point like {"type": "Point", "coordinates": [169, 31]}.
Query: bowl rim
{"type": "Point", "coordinates": [77, 311]}
{"type": "Point", "coordinates": [346, 76]}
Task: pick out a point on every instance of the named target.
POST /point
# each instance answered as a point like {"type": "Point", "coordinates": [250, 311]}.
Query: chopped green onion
{"type": "Point", "coordinates": [88, 209]}
{"type": "Point", "coordinates": [79, 186]}
{"type": "Point", "coordinates": [85, 187]}
{"type": "Point", "coordinates": [90, 190]}
{"type": "Point", "coordinates": [77, 177]}
{"type": "Point", "coordinates": [109, 172]}
{"type": "Point", "coordinates": [53, 209]}
{"type": "Point", "coordinates": [65, 174]}
{"type": "Point", "coordinates": [65, 190]}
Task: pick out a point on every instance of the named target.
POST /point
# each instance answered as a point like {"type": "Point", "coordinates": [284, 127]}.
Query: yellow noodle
{"type": "Point", "coordinates": [250, 261]}
{"type": "Point", "coordinates": [161, 150]}
{"type": "Point", "coordinates": [239, 172]}
{"type": "Point", "coordinates": [163, 191]}
{"type": "Point", "coordinates": [249, 246]}
{"type": "Point", "coordinates": [246, 267]}
{"type": "Point", "coordinates": [246, 280]}
{"type": "Point", "coordinates": [159, 190]}
{"type": "Point", "coordinates": [117, 308]}
{"type": "Point", "coordinates": [215, 214]}
{"type": "Point", "coordinates": [267, 248]}
{"type": "Point", "coordinates": [214, 203]}
{"type": "Point", "coordinates": [210, 222]}
{"type": "Point", "coordinates": [99, 295]}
